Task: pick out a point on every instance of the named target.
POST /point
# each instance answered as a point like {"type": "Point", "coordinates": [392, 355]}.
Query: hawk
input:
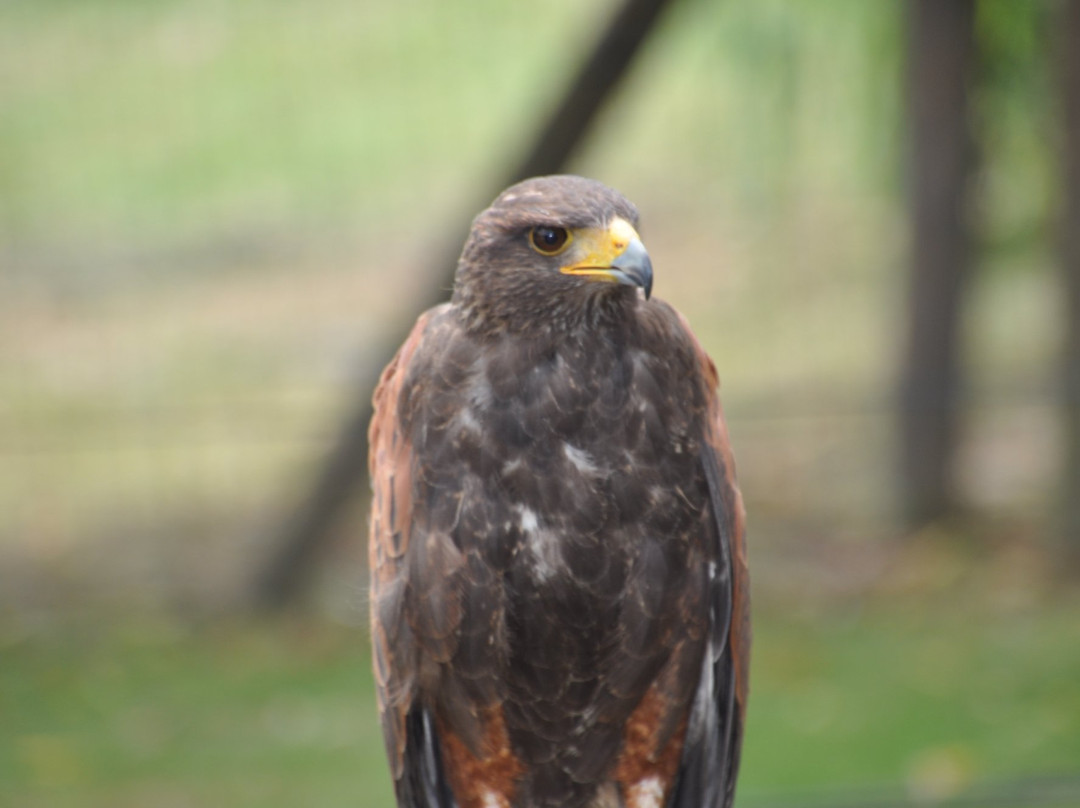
{"type": "Point", "coordinates": [559, 597]}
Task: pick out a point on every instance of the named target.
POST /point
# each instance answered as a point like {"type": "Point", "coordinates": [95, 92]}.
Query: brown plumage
{"type": "Point", "coordinates": [560, 607]}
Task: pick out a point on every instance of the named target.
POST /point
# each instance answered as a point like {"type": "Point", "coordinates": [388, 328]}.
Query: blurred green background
{"type": "Point", "coordinates": [213, 211]}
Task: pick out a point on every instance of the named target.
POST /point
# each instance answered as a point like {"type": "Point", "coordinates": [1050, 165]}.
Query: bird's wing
{"type": "Point", "coordinates": [408, 728]}
{"type": "Point", "coordinates": [710, 758]}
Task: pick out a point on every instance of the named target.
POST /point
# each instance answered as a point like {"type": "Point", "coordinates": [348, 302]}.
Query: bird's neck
{"type": "Point", "coordinates": [589, 308]}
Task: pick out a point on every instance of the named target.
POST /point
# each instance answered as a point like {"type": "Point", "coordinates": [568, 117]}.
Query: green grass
{"type": "Point", "coordinates": [226, 716]}
{"type": "Point", "coordinates": [895, 692]}
{"type": "Point", "coordinates": [897, 696]}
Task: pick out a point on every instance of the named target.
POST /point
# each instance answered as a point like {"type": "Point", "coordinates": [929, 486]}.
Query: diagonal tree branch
{"type": "Point", "coordinates": [344, 471]}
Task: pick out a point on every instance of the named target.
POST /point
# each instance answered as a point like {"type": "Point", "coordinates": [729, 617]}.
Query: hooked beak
{"type": "Point", "coordinates": [614, 255]}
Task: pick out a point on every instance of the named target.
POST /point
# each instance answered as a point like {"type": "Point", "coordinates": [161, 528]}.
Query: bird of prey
{"type": "Point", "coordinates": [559, 597]}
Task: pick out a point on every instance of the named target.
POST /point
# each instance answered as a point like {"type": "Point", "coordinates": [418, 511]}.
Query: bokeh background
{"type": "Point", "coordinates": [215, 213]}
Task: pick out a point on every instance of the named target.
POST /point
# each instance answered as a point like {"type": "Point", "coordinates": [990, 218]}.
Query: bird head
{"type": "Point", "coordinates": [552, 251]}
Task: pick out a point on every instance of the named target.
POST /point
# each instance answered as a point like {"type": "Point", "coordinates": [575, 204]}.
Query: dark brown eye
{"type": "Point", "coordinates": [549, 240]}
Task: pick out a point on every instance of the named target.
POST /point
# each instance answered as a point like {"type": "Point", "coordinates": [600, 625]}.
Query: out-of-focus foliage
{"type": "Point", "coordinates": [209, 211]}
{"type": "Point", "coordinates": [212, 210]}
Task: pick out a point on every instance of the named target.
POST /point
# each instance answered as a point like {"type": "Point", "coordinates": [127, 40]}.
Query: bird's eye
{"type": "Point", "coordinates": [549, 240]}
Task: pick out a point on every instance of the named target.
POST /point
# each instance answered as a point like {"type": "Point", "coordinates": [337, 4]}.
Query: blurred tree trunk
{"type": "Point", "coordinates": [1070, 261]}
{"type": "Point", "coordinates": [941, 52]}
{"type": "Point", "coordinates": [345, 469]}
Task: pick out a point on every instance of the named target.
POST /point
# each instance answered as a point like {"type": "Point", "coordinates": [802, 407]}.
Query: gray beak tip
{"type": "Point", "coordinates": [635, 267]}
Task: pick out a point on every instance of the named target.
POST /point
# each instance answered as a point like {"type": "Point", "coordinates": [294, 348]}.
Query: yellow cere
{"type": "Point", "coordinates": [597, 248]}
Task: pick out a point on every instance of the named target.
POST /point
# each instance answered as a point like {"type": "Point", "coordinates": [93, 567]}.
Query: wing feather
{"type": "Point", "coordinates": [411, 743]}
{"type": "Point", "coordinates": [710, 758]}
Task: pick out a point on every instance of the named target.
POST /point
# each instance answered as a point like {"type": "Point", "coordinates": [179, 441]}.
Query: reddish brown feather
{"type": "Point", "coordinates": [390, 462]}
{"type": "Point", "coordinates": [476, 781]}
{"type": "Point", "coordinates": [717, 438]}
{"type": "Point", "coordinates": [642, 755]}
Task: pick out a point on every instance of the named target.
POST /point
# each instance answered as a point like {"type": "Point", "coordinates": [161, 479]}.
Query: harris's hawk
{"type": "Point", "coordinates": [559, 594]}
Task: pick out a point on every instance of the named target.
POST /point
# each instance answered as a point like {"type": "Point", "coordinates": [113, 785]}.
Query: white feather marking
{"type": "Point", "coordinates": [580, 459]}
{"type": "Point", "coordinates": [468, 420]}
{"type": "Point", "coordinates": [542, 543]}
{"type": "Point", "coordinates": [493, 800]}
{"type": "Point", "coordinates": [527, 519]}
{"type": "Point", "coordinates": [647, 793]}
{"type": "Point", "coordinates": [479, 387]}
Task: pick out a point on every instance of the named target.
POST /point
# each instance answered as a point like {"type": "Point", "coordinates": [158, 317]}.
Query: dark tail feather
{"type": "Point", "coordinates": [423, 781]}
{"type": "Point", "coordinates": [710, 761]}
